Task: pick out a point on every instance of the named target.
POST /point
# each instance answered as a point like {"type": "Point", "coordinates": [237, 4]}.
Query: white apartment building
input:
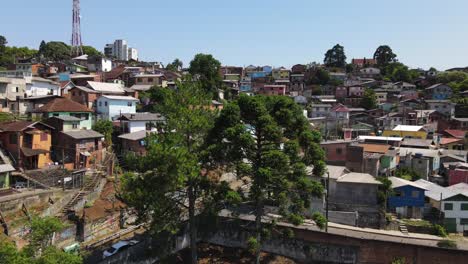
{"type": "Point", "coordinates": [132, 54]}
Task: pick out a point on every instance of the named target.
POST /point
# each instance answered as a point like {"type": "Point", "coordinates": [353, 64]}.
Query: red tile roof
{"type": "Point", "coordinates": [456, 133]}
{"type": "Point", "coordinates": [446, 141]}
{"type": "Point", "coordinates": [15, 126]}
{"type": "Point", "coordinates": [63, 105]}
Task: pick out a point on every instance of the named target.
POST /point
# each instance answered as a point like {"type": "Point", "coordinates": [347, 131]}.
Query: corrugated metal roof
{"type": "Point", "coordinates": [408, 128]}
{"type": "Point", "coordinates": [83, 134]}
{"type": "Point", "coordinates": [398, 182]}
{"type": "Point", "coordinates": [106, 87]}
{"type": "Point", "coordinates": [118, 97]}
{"type": "Point", "coordinates": [355, 177]}
{"type": "Point", "coordinates": [136, 135]}
{"type": "Point", "coordinates": [6, 168]}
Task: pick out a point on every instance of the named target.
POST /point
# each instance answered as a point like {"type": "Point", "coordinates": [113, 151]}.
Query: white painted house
{"type": "Point", "coordinates": [455, 209]}
{"type": "Point", "coordinates": [131, 123]}
{"type": "Point", "coordinates": [110, 107]}
{"type": "Point", "coordinates": [41, 87]}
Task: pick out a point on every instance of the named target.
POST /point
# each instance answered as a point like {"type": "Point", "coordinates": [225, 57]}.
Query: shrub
{"type": "Point", "coordinates": [447, 244]}
{"type": "Point", "coordinates": [440, 231]}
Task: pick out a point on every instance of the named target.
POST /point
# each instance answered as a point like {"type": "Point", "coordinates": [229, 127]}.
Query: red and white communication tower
{"type": "Point", "coordinates": [77, 49]}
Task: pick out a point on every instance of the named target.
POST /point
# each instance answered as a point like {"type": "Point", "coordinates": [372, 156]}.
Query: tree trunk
{"type": "Point", "coordinates": [192, 226]}
{"type": "Point", "coordinates": [258, 229]}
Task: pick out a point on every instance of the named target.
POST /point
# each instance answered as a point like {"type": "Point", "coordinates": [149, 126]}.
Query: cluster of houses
{"type": "Point", "coordinates": [412, 128]}
{"type": "Point", "coordinates": [53, 108]}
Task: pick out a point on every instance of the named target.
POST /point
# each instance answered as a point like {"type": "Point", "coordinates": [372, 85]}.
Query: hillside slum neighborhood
{"type": "Point", "coordinates": [54, 162]}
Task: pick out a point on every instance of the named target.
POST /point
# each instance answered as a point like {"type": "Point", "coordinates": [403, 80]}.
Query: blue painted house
{"type": "Point", "coordinates": [439, 91]}
{"type": "Point", "coordinates": [407, 199]}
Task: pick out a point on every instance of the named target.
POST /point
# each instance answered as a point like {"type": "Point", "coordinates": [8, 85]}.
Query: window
{"type": "Point", "coordinates": [129, 104]}
{"type": "Point", "coordinates": [150, 79]}
{"type": "Point", "coordinates": [100, 103]}
{"type": "Point", "coordinates": [105, 103]}
{"type": "Point", "coordinates": [13, 139]}
{"type": "Point", "coordinates": [75, 125]}
{"type": "Point", "coordinates": [80, 93]}
{"type": "Point", "coordinates": [44, 136]}
{"type": "Point", "coordinates": [463, 221]}
{"type": "Point", "coordinates": [464, 207]}
{"type": "Point", "coordinates": [399, 194]}
{"type": "Point", "coordinates": [17, 89]}
{"type": "Point", "coordinates": [448, 206]}
{"type": "Point", "coordinates": [415, 194]}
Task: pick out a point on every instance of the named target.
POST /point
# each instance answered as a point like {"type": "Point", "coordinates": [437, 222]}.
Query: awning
{"type": "Point", "coordinates": [86, 153]}
{"type": "Point", "coordinates": [33, 152]}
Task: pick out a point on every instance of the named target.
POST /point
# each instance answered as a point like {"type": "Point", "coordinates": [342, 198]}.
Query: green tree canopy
{"type": "Point", "coordinates": [175, 66]}
{"type": "Point", "coordinates": [369, 99]}
{"type": "Point", "coordinates": [173, 180]}
{"type": "Point", "coordinates": [335, 57]}
{"type": "Point", "coordinates": [384, 55]}
{"type": "Point", "coordinates": [318, 76]}
{"type": "Point", "coordinates": [3, 43]}
{"type": "Point", "coordinates": [106, 128]}
{"type": "Point", "coordinates": [262, 138]}
{"type": "Point", "coordinates": [205, 68]}
{"type": "Point", "coordinates": [91, 51]}
{"type": "Point", "coordinates": [57, 51]}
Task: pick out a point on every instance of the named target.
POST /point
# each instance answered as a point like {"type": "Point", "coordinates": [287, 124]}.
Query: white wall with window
{"type": "Point", "coordinates": [455, 209]}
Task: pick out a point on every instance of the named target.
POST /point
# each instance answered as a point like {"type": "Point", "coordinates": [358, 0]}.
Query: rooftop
{"type": "Point", "coordinates": [67, 118]}
{"type": "Point", "coordinates": [456, 133]}
{"type": "Point", "coordinates": [375, 148]}
{"type": "Point", "coordinates": [336, 171]}
{"type": "Point", "coordinates": [408, 128]}
{"type": "Point", "coordinates": [424, 152]}
{"type": "Point", "coordinates": [416, 142]}
{"type": "Point", "coordinates": [142, 117]}
{"type": "Point", "coordinates": [63, 105]}
{"type": "Point", "coordinates": [83, 134]}
{"type": "Point", "coordinates": [434, 191]}
{"type": "Point", "coordinates": [120, 98]}
{"type": "Point", "coordinates": [395, 139]}
{"type": "Point", "coordinates": [139, 135]}
{"type": "Point", "coordinates": [446, 141]}
{"type": "Point", "coordinates": [355, 177]}
{"type": "Point", "coordinates": [399, 182]}
{"type": "Point", "coordinates": [106, 87]}
{"type": "Point", "coordinates": [18, 126]}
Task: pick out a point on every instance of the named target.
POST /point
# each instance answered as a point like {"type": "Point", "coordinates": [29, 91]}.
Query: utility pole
{"type": "Point", "coordinates": [326, 197]}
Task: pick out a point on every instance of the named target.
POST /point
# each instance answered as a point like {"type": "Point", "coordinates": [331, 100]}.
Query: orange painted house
{"type": "Point", "coordinates": [29, 143]}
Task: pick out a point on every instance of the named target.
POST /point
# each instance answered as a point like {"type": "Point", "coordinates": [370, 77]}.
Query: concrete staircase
{"type": "Point", "coordinates": [90, 185]}
{"type": "Point", "coordinates": [403, 229]}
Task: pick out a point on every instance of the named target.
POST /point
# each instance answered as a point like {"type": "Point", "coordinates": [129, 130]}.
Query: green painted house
{"type": "Point", "coordinates": [75, 115]}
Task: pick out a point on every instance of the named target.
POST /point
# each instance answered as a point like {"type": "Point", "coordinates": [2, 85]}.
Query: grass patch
{"type": "Point", "coordinates": [447, 244]}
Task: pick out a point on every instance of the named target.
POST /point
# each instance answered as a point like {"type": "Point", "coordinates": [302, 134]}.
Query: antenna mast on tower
{"type": "Point", "coordinates": [77, 49]}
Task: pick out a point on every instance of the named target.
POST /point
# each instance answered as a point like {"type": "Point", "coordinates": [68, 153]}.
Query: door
{"type": "Point", "coordinates": [450, 225]}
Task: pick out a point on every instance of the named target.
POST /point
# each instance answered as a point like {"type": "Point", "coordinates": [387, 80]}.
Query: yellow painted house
{"type": "Point", "coordinates": [407, 132]}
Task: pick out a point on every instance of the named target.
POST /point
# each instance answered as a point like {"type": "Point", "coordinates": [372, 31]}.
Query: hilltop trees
{"type": "Point", "coordinates": [175, 66]}
{"type": "Point", "coordinates": [335, 57]}
{"type": "Point", "coordinates": [384, 55]}
{"type": "Point", "coordinates": [205, 68]}
{"type": "Point", "coordinates": [261, 139]}
{"type": "Point", "coordinates": [9, 54]}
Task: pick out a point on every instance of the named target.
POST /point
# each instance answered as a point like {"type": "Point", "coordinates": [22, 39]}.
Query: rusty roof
{"type": "Point", "coordinates": [375, 148]}
{"type": "Point", "coordinates": [63, 105]}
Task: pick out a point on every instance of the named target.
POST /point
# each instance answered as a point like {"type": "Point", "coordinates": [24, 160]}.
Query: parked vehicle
{"type": "Point", "coordinates": [118, 247]}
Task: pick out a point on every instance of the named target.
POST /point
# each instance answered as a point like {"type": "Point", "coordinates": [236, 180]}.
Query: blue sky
{"type": "Point", "coordinates": [242, 32]}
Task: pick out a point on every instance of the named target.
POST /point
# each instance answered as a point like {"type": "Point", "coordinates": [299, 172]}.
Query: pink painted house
{"type": "Point", "coordinates": [341, 92]}
{"type": "Point", "coordinates": [271, 89]}
{"type": "Point", "coordinates": [356, 91]}
{"type": "Point", "coordinates": [458, 173]}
